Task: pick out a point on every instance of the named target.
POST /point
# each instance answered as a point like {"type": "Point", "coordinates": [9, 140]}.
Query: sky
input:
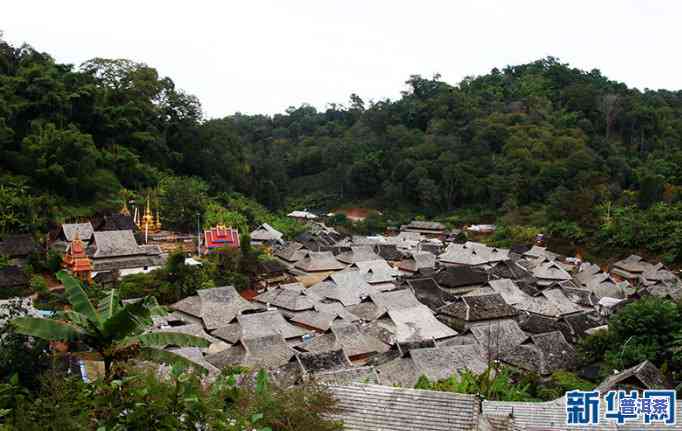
{"type": "Point", "coordinates": [262, 56]}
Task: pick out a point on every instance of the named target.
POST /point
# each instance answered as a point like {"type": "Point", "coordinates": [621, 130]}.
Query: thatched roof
{"type": "Point", "coordinates": [473, 254]}
{"type": "Point", "coordinates": [313, 362]}
{"type": "Point", "coordinates": [85, 231]}
{"type": "Point", "coordinates": [17, 245]}
{"type": "Point", "coordinates": [292, 252]}
{"type": "Point", "coordinates": [498, 337]}
{"type": "Point", "coordinates": [117, 243]}
{"type": "Point", "coordinates": [428, 292]}
{"type": "Point", "coordinates": [358, 254]}
{"type": "Point", "coordinates": [347, 287]}
{"type": "Point", "coordinates": [286, 298]}
{"type": "Point", "coordinates": [396, 299]}
{"type": "Point", "coordinates": [550, 270]}
{"type": "Point", "coordinates": [417, 261]}
{"type": "Point", "coordinates": [376, 271]}
{"type": "Point", "coordinates": [314, 319]}
{"type": "Point", "coordinates": [642, 376]}
{"type": "Point", "coordinates": [372, 407]}
{"type": "Point", "coordinates": [347, 336]}
{"type": "Point", "coordinates": [315, 261]}
{"type": "Point", "coordinates": [266, 233]}
{"type": "Point", "coordinates": [418, 323]}
{"type": "Point", "coordinates": [460, 277]}
{"type": "Point", "coordinates": [13, 277]}
{"type": "Point", "coordinates": [218, 307]}
{"type": "Point", "coordinates": [257, 325]}
{"type": "Point", "coordinates": [479, 307]}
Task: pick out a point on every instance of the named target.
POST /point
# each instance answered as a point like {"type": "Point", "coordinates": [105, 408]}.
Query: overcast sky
{"type": "Point", "coordinates": [260, 56]}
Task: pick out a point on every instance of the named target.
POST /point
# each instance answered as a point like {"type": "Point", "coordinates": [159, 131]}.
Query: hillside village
{"type": "Point", "coordinates": [370, 315]}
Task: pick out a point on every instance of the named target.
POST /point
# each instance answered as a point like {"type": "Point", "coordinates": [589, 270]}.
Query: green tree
{"type": "Point", "coordinates": [114, 331]}
{"type": "Point", "coordinates": [182, 200]}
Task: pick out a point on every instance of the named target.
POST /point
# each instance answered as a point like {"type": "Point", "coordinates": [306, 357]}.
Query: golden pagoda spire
{"type": "Point", "coordinates": [158, 220]}
{"type": "Point", "coordinates": [125, 211]}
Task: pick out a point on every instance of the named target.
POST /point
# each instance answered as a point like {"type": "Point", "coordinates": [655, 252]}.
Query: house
{"type": "Point", "coordinates": [292, 252]}
{"type": "Point", "coordinates": [429, 293]}
{"type": "Point", "coordinates": [545, 354]}
{"type": "Point", "coordinates": [220, 237]}
{"type": "Point", "coordinates": [418, 323]}
{"type": "Point", "coordinates": [117, 250]}
{"type": "Point", "coordinates": [214, 308]}
{"type": "Point", "coordinates": [266, 234]}
{"type": "Point", "coordinates": [319, 261]}
{"type": "Point", "coordinates": [267, 351]}
{"type": "Point", "coordinates": [497, 337]}
{"type": "Point", "coordinates": [472, 254]}
{"type": "Point", "coordinates": [461, 280]}
{"type": "Point", "coordinates": [69, 230]}
{"type": "Point", "coordinates": [13, 282]}
{"type": "Point", "coordinates": [287, 299]}
{"type": "Point", "coordinates": [270, 273]}
{"type": "Point", "coordinates": [629, 269]}
{"type": "Point", "coordinates": [417, 261]}
{"type": "Point", "coordinates": [256, 325]}
{"type": "Point", "coordinates": [346, 287]}
{"type": "Point", "coordinates": [377, 273]}
{"type": "Point", "coordinates": [302, 215]}
{"type": "Point", "coordinates": [18, 248]}
{"type": "Point", "coordinates": [355, 342]}
{"type": "Point", "coordinates": [642, 376]}
{"type": "Point", "coordinates": [475, 308]}
{"type": "Point", "coordinates": [604, 285]}
{"type": "Point", "coordinates": [365, 407]}
{"type": "Point", "coordinates": [358, 254]}
{"type": "Point", "coordinates": [548, 271]}
{"type": "Point", "coordinates": [427, 228]}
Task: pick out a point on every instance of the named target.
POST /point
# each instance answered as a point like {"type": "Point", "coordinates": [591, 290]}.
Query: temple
{"type": "Point", "coordinates": [76, 261]}
{"type": "Point", "coordinates": [220, 237]}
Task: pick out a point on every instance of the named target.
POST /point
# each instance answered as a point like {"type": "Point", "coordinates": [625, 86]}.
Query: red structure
{"type": "Point", "coordinates": [220, 237]}
{"type": "Point", "coordinates": [76, 261]}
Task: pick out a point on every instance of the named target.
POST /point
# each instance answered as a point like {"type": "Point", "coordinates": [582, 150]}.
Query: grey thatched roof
{"type": "Point", "coordinates": [286, 298]}
{"type": "Point", "coordinates": [603, 285]}
{"type": "Point", "coordinates": [417, 261]}
{"type": "Point", "coordinates": [473, 254]}
{"type": "Point", "coordinates": [316, 261]}
{"type": "Point", "coordinates": [428, 292]}
{"type": "Point", "coordinates": [257, 325]}
{"type": "Point", "coordinates": [190, 305]}
{"type": "Point", "coordinates": [14, 246]}
{"type": "Point", "coordinates": [314, 319]}
{"type": "Point", "coordinates": [266, 233]}
{"type": "Point", "coordinates": [373, 408]}
{"type": "Point", "coordinates": [127, 262]}
{"type": "Point", "coordinates": [292, 252]}
{"type": "Point", "coordinates": [268, 352]}
{"type": "Point", "coordinates": [398, 371]}
{"type": "Point", "coordinates": [116, 243]}
{"type": "Point", "coordinates": [642, 376]}
{"type": "Point", "coordinates": [376, 271]}
{"type": "Point", "coordinates": [423, 225]}
{"type": "Point", "coordinates": [479, 307]}
{"type": "Point", "coordinates": [367, 311]}
{"type": "Point", "coordinates": [418, 323]}
{"type": "Point", "coordinates": [337, 309]}
{"type": "Point", "coordinates": [331, 360]}
{"type": "Point", "coordinates": [85, 231]}
{"type": "Point", "coordinates": [540, 252]}
{"type": "Point", "coordinates": [396, 299]}
{"type": "Point", "coordinates": [196, 356]}
{"type": "Point", "coordinates": [13, 277]}
{"type": "Point", "coordinates": [347, 287]}
{"type": "Point", "coordinates": [441, 362]}
{"type": "Point", "coordinates": [347, 336]}
{"type": "Point", "coordinates": [348, 376]}
{"type": "Point", "coordinates": [586, 272]}
{"type": "Point", "coordinates": [546, 269]}
{"type": "Point", "coordinates": [358, 254]}
{"type": "Point", "coordinates": [230, 333]}
{"type": "Point", "coordinates": [221, 305]}
{"type": "Point", "coordinates": [498, 337]}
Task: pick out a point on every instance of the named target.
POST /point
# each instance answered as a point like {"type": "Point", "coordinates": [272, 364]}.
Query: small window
{"type": "Point", "coordinates": [146, 268]}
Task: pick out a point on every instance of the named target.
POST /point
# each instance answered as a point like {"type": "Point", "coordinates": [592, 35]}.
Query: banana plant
{"type": "Point", "coordinates": [114, 332]}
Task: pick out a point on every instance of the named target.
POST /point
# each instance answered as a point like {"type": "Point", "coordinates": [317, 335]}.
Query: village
{"type": "Point", "coordinates": [370, 315]}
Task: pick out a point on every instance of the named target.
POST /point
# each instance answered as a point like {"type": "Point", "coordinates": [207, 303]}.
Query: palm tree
{"type": "Point", "coordinates": [113, 331]}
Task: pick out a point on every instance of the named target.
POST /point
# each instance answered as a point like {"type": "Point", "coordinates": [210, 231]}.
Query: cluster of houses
{"type": "Point", "coordinates": [369, 315]}
{"type": "Point", "coordinates": [389, 309]}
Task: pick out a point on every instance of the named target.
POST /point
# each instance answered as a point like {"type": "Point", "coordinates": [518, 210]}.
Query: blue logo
{"type": "Point", "coordinates": [583, 408]}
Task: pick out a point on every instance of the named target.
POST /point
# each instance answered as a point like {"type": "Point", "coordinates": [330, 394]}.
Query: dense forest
{"type": "Point", "coordinates": [566, 151]}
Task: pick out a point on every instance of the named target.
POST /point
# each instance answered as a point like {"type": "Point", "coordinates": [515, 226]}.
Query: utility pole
{"type": "Point", "coordinates": [199, 234]}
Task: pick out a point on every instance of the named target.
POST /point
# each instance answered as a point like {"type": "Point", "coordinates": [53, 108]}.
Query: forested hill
{"type": "Point", "coordinates": [541, 144]}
